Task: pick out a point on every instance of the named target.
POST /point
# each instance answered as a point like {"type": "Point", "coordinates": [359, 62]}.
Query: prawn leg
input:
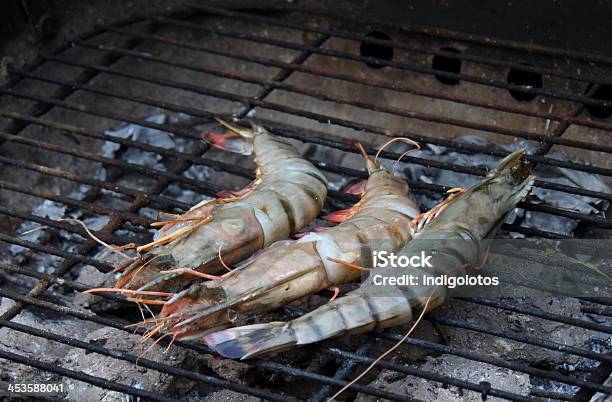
{"type": "Point", "coordinates": [381, 220]}
{"type": "Point", "coordinates": [463, 225]}
{"type": "Point", "coordinates": [287, 195]}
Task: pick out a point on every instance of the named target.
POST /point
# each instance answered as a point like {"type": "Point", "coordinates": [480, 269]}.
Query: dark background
{"type": "Point", "coordinates": [567, 24]}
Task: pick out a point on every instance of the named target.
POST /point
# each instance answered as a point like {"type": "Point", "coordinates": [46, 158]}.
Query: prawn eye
{"type": "Point", "coordinates": [232, 315]}
{"type": "Point", "coordinates": [165, 261]}
{"type": "Point", "coordinates": [194, 291]}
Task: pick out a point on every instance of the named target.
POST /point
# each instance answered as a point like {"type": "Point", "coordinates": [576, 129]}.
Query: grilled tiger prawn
{"type": "Point", "coordinates": [287, 194]}
{"type": "Point", "coordinates": [381, 219]}
{"type": "Point", "coordinates": [454, 239]}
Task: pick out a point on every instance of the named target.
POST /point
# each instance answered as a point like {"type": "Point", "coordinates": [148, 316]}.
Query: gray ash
{"type": "Point", "coordinates": [539, 220]}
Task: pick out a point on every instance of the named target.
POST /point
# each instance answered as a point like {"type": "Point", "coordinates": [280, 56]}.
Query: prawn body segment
{"type": "Point", "coordinates": [381, 220]}
{"type": "Point", "coordinates": [455, 238]}
{"type": "Point", "coordinates": [287, 194]}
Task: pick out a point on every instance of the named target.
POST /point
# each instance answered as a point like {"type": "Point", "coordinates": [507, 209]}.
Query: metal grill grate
{"type": "Point", "coordinates": [65, 96]}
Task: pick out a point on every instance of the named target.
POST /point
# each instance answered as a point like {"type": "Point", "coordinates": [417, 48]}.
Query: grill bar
{"type": "Point", "coordinates": [502, 305]}
{"type": "Point", "coordinates": [318, 94]}
{"type": "Point", "coordinates": [180, 161]}
{"type": "Point", "coordinates": [137, 220]}
{"type": "Point", "coordinates": [113, 224]}
{"type": "Point", "coordinates": [253, 101]}
{"type": "Point", "coordinates": [486, 150]}
{"type": "Point", "coordinates": [296, 372]}
{"type": "Point", "coordinates": [430, 376]}
{"type": "Point", "coordinates": [211, 189]}
{"type": "Point", "coordinates": [318, 138]}
{"type": "Point", "coordinates": [398, 87]}
{"type": "Point", "coordinates": [162, 201]}
{"type": "Point", "coordinates": [55, 251]}
{"type": "Point", "coordinates": [288, 370]}
{"type": "Point", "coordinates": [128, 143]}
{"type": "Point", "coordinates": [384, 63]}
{"type": "Point", "coordinates": [343, 371]}
{"type": "Point", "coordinates": [523, 368]}
{"type": "Point", "coordinates": [335, 144]}
{"type": "Point", "coordinates": [208, 188]}
{"type": "Point", "coordinates": [411, 340]}
{"type": "Point", "coordinates": [548, 374]}
{"type": "Point", "coordinates": [398, 45]}
{"type": "Point", "coordinates": [141, 361]}
{"type": "Point", "coordinates": [266, 365]}
{"type": "Point", "coordinates": [463, 169]}
{"type": "Point", "coordinates": [562, 128]}
{"type": "Point", "coordinates": [598, 310]}
{"type": "Point", "coordinates": [600, 374]}
{"type": "Point", "coordinates": [42, 108]}
{"type": "Point", "coordinates": [534, 312]}
{"type": "Point", "coordinates": [521, 338]}
{"type": "Point", "coordinates": [128, 167]}
{"type": "Point", "coordinates": [334, 194]}
{"type": "Point", "coordinates": [69, 262]}
{"type": "Point", "coordinates": [110, 115]}
{"type": "Point", "coordinates": [579, 323]}
{"type": "Point", "coordinates": [550, 394]}
{"type": "Point", "coordinates": [556, 290]}
{"type": "Point", "coordinates": [54, 280]}
{"type": "Point", "coordinates": [43, 285]}
{"type": "Point", "coordinates": [77, 229]}
{"type": "Point", "coordinates": [505, 306]}
{"type": "Point", "coordinates": [79, 375]}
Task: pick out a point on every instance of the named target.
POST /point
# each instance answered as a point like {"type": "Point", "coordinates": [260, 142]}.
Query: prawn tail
{"type": "Point", "coordinates": [229, 142]}
{"type": "Point", "coordinates": [237, 139]}
{"type": "Point", "coordinates": [360, 311]}
{"type": "Point", "coordinates": [252, 340]}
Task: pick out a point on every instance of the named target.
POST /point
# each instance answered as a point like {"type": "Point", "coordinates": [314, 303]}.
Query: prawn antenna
{"type": "Point", "coordinates": [108, 246]}
{"type": "Point", "coordinates": [370, 165]}
{"type": "Point", "coordinates": [391, 141]}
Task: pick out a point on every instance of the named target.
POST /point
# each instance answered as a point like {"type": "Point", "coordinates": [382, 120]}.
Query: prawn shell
{"type": "Point", "coordinates": [286, 289]}
{"type": "Point", "coordinates": [287, 195]}
{"type": "Point", "coordinates": [455, 240]}
{"type": "Point", "coordinates": [233, 226]}
{"type": "Point", "coordinates": [306, 266]}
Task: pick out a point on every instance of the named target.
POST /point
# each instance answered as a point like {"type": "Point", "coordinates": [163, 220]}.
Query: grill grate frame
{"type": "Point", "coordinates": [140, 199]}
